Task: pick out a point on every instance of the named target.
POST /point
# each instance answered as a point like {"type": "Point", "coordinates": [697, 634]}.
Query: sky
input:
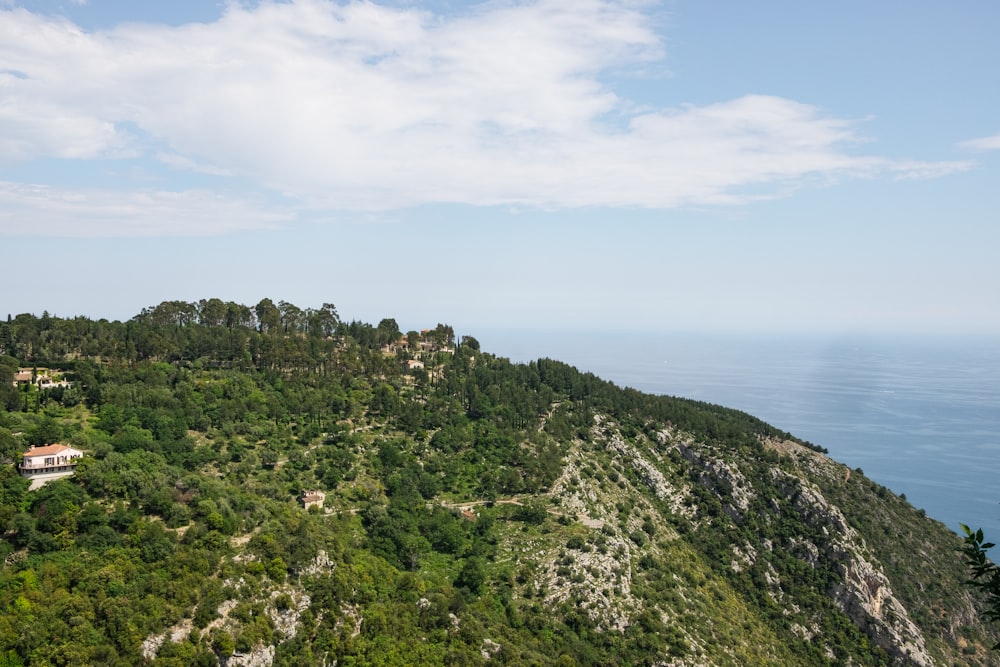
{"type": "Point", "coordinates": [776, 166]}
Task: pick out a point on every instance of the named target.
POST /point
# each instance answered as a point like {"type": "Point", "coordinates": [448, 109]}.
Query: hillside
{"type": "Point", "coordinates": [471, 511]}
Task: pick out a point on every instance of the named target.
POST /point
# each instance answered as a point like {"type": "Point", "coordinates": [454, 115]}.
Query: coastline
{"type": "Point", "coordinates": [919, 415]}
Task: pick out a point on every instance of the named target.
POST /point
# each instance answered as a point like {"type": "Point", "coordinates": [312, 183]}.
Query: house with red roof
{"type": "Point", "coordinates": [48, 462]}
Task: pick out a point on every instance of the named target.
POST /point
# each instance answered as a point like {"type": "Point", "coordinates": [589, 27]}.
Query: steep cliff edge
{"type": "Point", "coordinates": [759, 527]}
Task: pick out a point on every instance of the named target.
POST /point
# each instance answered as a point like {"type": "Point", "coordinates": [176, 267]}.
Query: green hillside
{"type": "Point", "coordinates": [474, 511]}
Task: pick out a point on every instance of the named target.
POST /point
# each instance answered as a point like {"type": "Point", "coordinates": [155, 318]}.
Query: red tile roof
{"type": "Point", "coordinates": [47, 450]}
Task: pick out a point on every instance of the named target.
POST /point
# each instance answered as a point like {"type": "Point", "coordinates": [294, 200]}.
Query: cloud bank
{"type": "Point", "coordinates": [59, 212]}
{"type": "Point", "coordinates": [367, 107]}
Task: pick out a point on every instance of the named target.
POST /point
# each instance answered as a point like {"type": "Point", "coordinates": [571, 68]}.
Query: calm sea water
{"type": "Point", "coordinates": [921, 417]}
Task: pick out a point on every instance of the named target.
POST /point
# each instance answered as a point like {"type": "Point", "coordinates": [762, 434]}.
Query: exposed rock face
{"type": "Point", "coordinates": [490, 648]}
{"type": "Point", "coordinates": [653, 478]}
{"type": "Point", "coordinates": [320, 564]}
{"type": "Point", "coordinates": [261, 656]}
{"type": "Point", "coordinates": [718, 472]}
{"type": "Point", "coordinates": [598, 580]}
{"type": "Point", "coordinates": [285, 615]}
{"type": "Point", "coordinates": [865, 594]}
{"type": "Point", "coordinates": [863, 591]}
{"type": "Point", "coordinates": [284, 606]}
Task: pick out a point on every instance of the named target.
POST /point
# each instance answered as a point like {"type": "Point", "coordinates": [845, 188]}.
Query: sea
{"type": "Point", "coordinates": [920, 416]}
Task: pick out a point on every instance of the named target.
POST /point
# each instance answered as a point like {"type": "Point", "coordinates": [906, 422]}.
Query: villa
{"type": "Point", "coordinates": [42, 464]}
{"type": "Point", "coordinates": [39, 377]}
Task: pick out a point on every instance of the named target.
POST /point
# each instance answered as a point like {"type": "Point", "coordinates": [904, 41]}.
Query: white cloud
{"type": "Point", "coordinates": [187, 164]}
{"type": "Point", "coordinates": [983, 143]}
{"type": "Point", "coordinates": [913, 170]}
{"type": "Point", "coordinates": [369, 107]}
{"type": "Point", "coordinates": [38, 210]}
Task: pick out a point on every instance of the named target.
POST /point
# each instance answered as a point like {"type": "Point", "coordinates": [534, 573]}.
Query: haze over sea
{"type": "Point", "coordinates": [920, 416]}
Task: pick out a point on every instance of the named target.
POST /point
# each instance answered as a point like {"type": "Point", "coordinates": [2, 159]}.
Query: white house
{"type": "Point", "coordinates": [49, 462]}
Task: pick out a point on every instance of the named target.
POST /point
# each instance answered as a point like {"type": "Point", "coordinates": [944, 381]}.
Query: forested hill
{"type": "Point", "coordinates": [463, 510]}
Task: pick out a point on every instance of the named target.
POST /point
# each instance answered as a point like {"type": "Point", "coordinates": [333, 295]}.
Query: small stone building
{"type": "Point", "coordinates": [312, 499]}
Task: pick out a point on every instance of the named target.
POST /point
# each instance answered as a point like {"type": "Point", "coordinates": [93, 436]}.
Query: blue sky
{"type": "Point", "coordinates": [561, 164]}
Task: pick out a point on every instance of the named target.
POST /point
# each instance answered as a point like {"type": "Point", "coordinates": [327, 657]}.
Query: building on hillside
{"type": "Point", "coordinates": [312, 499]}
{"type": "Point", "coordinates": [39, 377]}
{"type": "Point", "coordinates": [41, 464]}
{"type": "Point", "coordinates": [46, 382]}
{"type": "Point", "coordinates": [414, 365]}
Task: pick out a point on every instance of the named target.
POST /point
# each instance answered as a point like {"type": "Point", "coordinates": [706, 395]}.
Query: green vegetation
{"type": "Point", "coordinates": [475, 511]}
{"type": "Point", "coordinates": [985, 573]}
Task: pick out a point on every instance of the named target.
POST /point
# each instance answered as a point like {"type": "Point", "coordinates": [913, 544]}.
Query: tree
{"type": "Point", "coordinates": [45, 431]}
{"type": "Point", "coordinates": [211, 312]}
{"type": "Point", "coordinates": [6, 337]}
{"type": "Point", "coordinates": [472, 576]}
{"type": "Point", "coordinates": [323, 322]}
{"type": "Point", "coordinates": [171, 312]}
{"type": "Point", "coordinates": [443, 336]}
{"type": "Point", "coordinates": [985, 573]}
{"type": "Point", "coordinates": [9, 398]}
{"type": "Point", "coordinates": [387, 332]}
{"type": "Point", "coordinates": [268, 316]}
{"type": "Point", "coordinates": [238, 315]}
{"type": "Point", "coordinates": [293, 318]}
{"type": "Point", "coordinates": [413, 339]}
{"type": "Point", "coordinates": [223, 644]}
